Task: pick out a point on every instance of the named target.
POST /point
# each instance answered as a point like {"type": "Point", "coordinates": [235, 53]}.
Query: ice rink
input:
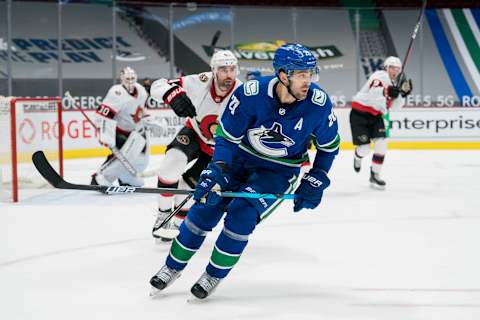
{"type": "Point", "coordinates": [409, 252]}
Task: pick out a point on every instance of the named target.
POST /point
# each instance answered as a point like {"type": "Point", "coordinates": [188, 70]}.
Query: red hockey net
{"type": "Point", "coordinates": [28, 125]}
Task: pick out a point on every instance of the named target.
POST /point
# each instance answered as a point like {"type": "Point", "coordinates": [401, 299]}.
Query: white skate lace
{"type": "Point", "coordinates": [208, 283]}
{"type": "Point", "coordinates": [166, 274]}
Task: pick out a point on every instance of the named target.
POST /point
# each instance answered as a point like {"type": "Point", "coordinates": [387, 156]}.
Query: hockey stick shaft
{"type": "Point", "coordinates": [117, 153]}
{"type": "Point", "coordinates": [173, 213]}
{"type": "Point", "coordinates": [412, 39]}
{"type": "Point", "coordinates": [49, 173]}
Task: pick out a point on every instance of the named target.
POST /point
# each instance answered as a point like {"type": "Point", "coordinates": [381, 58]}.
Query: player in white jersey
{"type": "Point", "coordinates": [120, 125]}
{"type": "Point", "coordinates": [375, 98]}
{"type": "Point", "coordinates": [202, 98]}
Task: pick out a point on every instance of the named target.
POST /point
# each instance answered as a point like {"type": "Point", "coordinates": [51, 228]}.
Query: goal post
{"type": "Point", "coordinates": [28, 125]}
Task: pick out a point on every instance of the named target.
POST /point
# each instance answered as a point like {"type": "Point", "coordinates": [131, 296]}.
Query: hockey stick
{"type": "Point", "coordinates": [407, 55]}
{"type": "Point", "coordinates": [117, 153]}
{"type": "Point", "coordinates": [412, 39]}
{"type": "Point", "coordinates": [173, 213]}
{"type": "Point", "coordinates": [49, 173]}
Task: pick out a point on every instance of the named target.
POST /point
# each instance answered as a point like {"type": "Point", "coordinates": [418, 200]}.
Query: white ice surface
{"type": "Point", "coordinates": [410, 252]}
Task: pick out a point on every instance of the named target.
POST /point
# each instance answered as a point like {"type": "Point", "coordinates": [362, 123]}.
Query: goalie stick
{"type": "Point", "coordinates": [117, 153]}
{"type": "Point", "coordinates": [49, 173]}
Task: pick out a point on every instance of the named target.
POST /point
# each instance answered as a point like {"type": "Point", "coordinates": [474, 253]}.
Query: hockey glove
{"type": "Point", "coordinates": [309, 193]}
{"type": "Point", "coordinates": [393, 92]}
{"type": "Point", "coordinates": [181, 104]}
{"type": "Point", "coordinates": [406, 87]}
{"type": "Point", "coordinates": [213, 177]}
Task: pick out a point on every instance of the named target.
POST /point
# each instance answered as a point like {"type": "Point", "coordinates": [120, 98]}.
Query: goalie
{"type": "Point", "coordinates": [121, 124]}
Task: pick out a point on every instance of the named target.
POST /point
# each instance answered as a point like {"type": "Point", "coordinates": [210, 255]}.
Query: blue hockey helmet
{"type": "Point", "coordinates": [291, 57]}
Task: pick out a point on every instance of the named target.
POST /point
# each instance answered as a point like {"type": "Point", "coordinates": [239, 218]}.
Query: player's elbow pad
{"type": "Point", "coordinates": [159, 88]}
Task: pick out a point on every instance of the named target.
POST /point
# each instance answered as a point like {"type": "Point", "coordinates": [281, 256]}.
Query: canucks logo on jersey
{"type": "Point", "coordinates": [266, 141]}
{"type": "Point", "coordinates": [254, 121]}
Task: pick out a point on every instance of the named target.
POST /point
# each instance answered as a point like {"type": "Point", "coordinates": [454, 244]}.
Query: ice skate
{"type": "Point", "coordinates": [162, 279]}
{"type": "Point", "coordinates": [205, 286]}
{"type": "Point", "coordinates": [357, 163]}
{"type": "Point", "coordinates": [376, 182]}
{"type": "Point", "coordinates": [169, 231]}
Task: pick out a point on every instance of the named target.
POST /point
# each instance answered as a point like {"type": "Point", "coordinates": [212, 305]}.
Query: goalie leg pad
{"type": "Point", "coordinates": [114, 169]}
{"type": "Point", "coordinates": [139, 163]}
{"type": "Point", "coordinates": [134, 145]}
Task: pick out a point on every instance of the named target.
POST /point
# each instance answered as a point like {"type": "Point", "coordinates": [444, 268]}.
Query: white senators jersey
{"type": "Point", "coordinates": [125, 108]}
{"type": "Point", "coordinates": [208, 105]}
{"type": "Point", "coordinates": [372, 96]}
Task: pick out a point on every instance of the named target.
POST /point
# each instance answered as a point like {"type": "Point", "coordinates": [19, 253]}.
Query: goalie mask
{"type": "Point", "coordinates": [128, 78]}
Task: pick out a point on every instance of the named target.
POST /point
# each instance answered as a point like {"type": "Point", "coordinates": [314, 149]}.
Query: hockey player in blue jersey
{"type": "Point", "coordinates": [261, 142]}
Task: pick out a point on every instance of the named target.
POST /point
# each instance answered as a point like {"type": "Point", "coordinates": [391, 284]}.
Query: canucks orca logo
{"type": "Point", "coordinates": [271, 142]}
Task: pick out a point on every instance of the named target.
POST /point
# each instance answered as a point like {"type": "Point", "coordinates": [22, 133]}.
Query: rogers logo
{"type": "Point", "coordinates": [27, 131]}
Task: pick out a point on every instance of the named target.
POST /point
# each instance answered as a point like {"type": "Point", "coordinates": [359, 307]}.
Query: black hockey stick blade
{"type": "Point", "coordinates": [44, 167]}
{"type": "Point", "coordinates": [49, 173]}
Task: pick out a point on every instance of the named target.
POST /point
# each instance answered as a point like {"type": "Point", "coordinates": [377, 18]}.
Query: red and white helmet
{"type": "Point", "coordinates": [223, 58]}
{"type": "Point", "coordinates": [128, 78]}
{"type": "Point", "coordinates": [392, 62]}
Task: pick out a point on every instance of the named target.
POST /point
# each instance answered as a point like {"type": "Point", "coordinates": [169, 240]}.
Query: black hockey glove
{"type": "Point", "coordinates": [393, 91]}
{"type": "Point", "coordinates": [310, 192]}
{"type": "Point", "coordinates": [406, 87]}
{"type": "Point", "coordinates": [213, 177]}
{"type": "Point", "coordinates": [181, 104]}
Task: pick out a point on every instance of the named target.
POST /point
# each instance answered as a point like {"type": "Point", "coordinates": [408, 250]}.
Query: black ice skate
{"type": "Point", "coordinates": [376, 182]}
{"type": "Point", "coordinates": [357, 163]}
{"type": "Point", "coordinates": [205, 286]}
{"type": "Point", "coordinates": [163, 279]}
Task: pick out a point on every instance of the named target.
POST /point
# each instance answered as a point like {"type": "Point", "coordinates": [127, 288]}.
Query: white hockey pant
{"type": "Point", "coordinates": [173, 165]}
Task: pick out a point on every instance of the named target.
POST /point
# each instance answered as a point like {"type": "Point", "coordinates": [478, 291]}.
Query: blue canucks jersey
{"type": "Point", "coordinates": [272, 133]}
